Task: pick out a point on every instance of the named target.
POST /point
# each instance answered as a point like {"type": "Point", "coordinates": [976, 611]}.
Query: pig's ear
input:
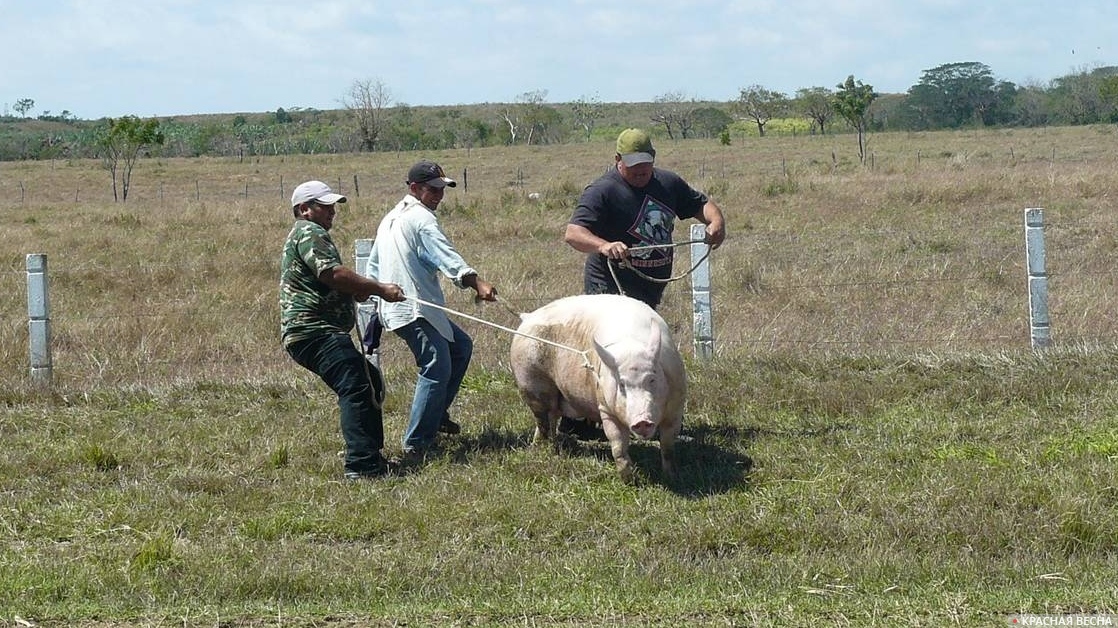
{"type": "Point", "coordinates": [655, 336]}
{"type": "Point", "coordinates": [607, 358]}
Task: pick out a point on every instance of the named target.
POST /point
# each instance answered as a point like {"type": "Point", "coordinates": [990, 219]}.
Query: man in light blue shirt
{"type": "Point", "coordinates": [411, 250]}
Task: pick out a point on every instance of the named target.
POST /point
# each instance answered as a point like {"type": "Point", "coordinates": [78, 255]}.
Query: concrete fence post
{"type": "Point", "coordinates": [702, 306]}
{"type": "Point", "coordinates": [1039, 325]}
{"type": "Point", "coordinates": [363, 248]}
{"type": "Point", "coordinates": [38, 315]}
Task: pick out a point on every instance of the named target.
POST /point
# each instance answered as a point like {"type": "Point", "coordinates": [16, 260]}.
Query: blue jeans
{"type": "Point", "coordinates": [339, 364]}
{"type": "Point", "coordinates": [442, 365]}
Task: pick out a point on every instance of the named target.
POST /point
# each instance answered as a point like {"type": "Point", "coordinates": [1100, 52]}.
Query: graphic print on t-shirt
{"type": "Point", "coordinates": [653, 225]}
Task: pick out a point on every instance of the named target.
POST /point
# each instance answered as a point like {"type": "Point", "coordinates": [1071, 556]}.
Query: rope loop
{"type": "Point", "coordinates": [627, 264]}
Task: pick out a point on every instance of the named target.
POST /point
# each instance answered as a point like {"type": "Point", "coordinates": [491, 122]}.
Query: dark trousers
{"type": "Point", "coordinates": [639, 289]}
{"type": "Point", "coordinates": [339, 364]}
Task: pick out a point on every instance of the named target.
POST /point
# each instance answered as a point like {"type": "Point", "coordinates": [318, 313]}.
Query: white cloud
{"type": "Point", "coordinates": [166, 57]}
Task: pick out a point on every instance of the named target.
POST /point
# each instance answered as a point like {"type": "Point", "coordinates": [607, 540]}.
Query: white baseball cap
{"type": "Point", "coordinates": [316, 191]}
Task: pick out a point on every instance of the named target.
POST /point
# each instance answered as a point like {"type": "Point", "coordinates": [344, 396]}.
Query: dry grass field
{"type": "Point", "coordinates": [922, 250]}
{"type": "Point", "coordinates": [876, 442]}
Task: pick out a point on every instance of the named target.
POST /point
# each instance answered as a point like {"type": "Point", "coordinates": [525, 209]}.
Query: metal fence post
{"type": "Point", "coordinates": [38, 315]}
{"type": "Point", "coordinates": [1040, 328]}
{"type": "Point", "coordinates": [363, 248]}
{"type": "Point", "coordinates": [702, 306]}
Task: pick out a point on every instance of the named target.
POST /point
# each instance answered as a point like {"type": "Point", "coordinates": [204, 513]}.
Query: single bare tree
{"type": "Point", "coordinates": [587, 111]}
{"type": "Point", "coordinates": [368, 101]}
{"type": "Point", "coordinates": [513, 121]}
{"type": "Point", "coordinates": [676, 112]}
{"type": "Point", "coordinates": [542, 121]}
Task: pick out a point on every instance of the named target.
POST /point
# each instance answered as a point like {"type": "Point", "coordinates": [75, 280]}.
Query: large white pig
{"type": "Point", "coordinates": [607, 358]}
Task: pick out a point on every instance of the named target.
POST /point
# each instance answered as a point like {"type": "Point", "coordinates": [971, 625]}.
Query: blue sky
{"type": "Point", "coordinates": [98, 58]}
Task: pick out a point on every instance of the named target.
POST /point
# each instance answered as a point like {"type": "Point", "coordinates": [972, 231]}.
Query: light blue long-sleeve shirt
{"type": "Point", "coordinates": [411, 249]}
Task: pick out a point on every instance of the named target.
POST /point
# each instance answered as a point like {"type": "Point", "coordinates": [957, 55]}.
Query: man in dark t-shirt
{"type": "Point", "coordinates": [633, 205]}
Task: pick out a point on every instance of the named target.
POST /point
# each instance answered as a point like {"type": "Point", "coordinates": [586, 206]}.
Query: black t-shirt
{"type": "Point", "coordinates": [613, 210]}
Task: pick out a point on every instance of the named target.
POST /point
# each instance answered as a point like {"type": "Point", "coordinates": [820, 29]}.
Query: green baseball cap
{"type": "Point", "coordinates": [635, 147]}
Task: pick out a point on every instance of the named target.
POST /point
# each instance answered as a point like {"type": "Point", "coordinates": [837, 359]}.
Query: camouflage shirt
{"type": "Point", "coordinates": [309, 307]}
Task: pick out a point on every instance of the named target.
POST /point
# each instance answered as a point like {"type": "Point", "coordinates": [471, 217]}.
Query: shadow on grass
{"type": "Point", "coordinates": [713, 461]}
{"type": "Point", "coordinates": [463, 448]}
{"type": "Point", "coordinates": [710, 461]}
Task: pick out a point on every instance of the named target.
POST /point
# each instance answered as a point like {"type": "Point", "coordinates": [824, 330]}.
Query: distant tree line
{"type": "Point", "coordinates": [950, 96]}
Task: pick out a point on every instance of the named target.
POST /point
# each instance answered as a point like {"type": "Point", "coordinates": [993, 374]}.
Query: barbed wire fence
{"type": "Point", "coordinates": [158, 338]}
{"type": "Point", "coordinates": [89, 185]}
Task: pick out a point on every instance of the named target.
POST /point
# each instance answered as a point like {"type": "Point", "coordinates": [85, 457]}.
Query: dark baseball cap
{"type": "Point", "coordinates": [430, 173]}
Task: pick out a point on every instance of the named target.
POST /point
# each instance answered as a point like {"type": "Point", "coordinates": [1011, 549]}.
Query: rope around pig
{"type": "Point", "coordinates": [585, 354]}
{"type": "Point", "coordinates": [418, 302]}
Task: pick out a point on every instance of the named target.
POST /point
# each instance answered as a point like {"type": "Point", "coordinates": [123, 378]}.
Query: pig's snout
{"type": "Point", "coordinates": [643, 428]}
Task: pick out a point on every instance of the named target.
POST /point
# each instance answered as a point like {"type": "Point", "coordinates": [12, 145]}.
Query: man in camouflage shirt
{"type": "Point", "coordinates": [317, 314]}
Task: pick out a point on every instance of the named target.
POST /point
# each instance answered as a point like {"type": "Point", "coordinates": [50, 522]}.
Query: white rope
{"type": "Point", "coordinates": [417, 302]}
{"type": "Point", "coordinates": [625, 262]}
{"type": "Point", "coordinates": [663, 246]}
{"type": "Point", "coordinates": [584, 354]}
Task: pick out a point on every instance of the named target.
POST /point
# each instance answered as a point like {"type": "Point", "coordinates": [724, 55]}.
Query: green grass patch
{"type": "Point", "coordinates": [874, 442]}
{"type": "Point", "coordinates": [832, 487]}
